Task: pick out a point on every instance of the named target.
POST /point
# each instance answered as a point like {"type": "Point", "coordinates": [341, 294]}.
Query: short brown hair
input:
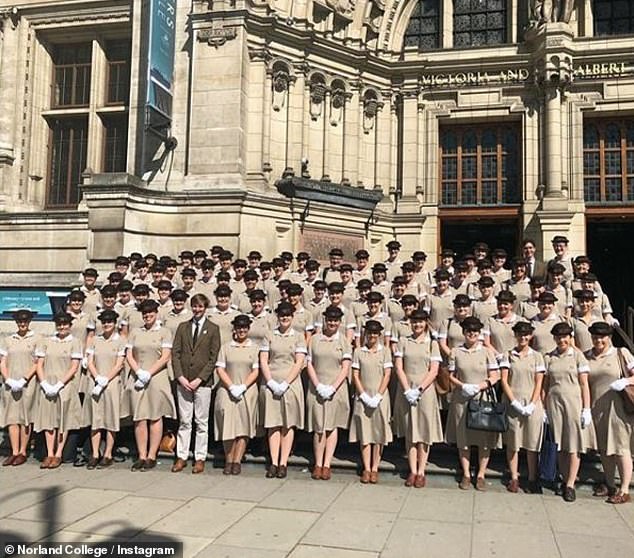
{"type": "Point", "coordinates": [199, 299]}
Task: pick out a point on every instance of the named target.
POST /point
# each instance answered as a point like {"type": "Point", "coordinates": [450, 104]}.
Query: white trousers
{"type": "Point", "coordinates": [193, 405]}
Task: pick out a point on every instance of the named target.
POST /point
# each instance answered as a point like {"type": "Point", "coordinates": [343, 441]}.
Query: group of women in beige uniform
{"type": "Point", "coordinates": [260, 387]}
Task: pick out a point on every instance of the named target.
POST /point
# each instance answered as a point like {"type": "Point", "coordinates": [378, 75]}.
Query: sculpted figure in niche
{"type": "Point", "coordinates": [548, 11]}
{"type": "Point", "coordinates": [343, 7]}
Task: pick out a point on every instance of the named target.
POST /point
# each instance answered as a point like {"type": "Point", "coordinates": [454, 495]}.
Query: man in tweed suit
{"type": "Point", "coordinates": [194, 353]}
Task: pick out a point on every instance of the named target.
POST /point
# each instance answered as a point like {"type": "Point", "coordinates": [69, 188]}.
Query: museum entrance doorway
{"type": "Point", "coordinates": [461, 233]}
{"type": "Point", "coordinates": [609, 246]}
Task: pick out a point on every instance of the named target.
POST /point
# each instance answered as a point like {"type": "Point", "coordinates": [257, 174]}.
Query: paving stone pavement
{"type": "Point", "coordinates": [216, 516]}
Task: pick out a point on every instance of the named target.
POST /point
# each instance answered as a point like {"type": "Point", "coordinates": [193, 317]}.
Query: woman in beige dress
{"type": "Point", "coordinates": [370, 424]}
{"type": "Point", "coordinates": [583, 319]}
{"type": "Point", "coordinates": [59, 406]}
{"type": "Point", "coordinates": [611, 371]}
{"type": "Point", "coordinates": [498, 329]}
{"type": "Point", "coordinates": [282, 357]}
{"type": "Point", "coordinates": [543, 323]}
{"type": "Point", "coordinates": [473, 368]}
{"type": "Point", "coordinates": [416, 409]}
{"type": "Point", "coordinates": [18, 366]}
{"type": "Point", "coordinates": [236, 403]}
{"type": "Point", "coordinates": [148, 351]}
{"type": "Point", "coordinates": [568, 406]}
{"type": "Point", "coordinates": [106, 357]}
{"type": "Point", "coordinates": [327, 400]}
{"type": "Point", "coordinates": [522, 371]}
{"type": "Point", "coordinates": [262, 322]}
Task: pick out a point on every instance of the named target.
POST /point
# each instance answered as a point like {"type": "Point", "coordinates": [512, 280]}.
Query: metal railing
{"type": "Point", "coordinates": [627, 335]}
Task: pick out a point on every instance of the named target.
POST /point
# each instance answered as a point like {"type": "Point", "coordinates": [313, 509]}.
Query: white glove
{"type": "Point", "coordinates": [412, 395]}
{"type": "Point", "coordinates": [237, 390]}
{"type": "Point", "coordinates": [329, 391]}
{"type": "Point", "coordinates": [469, 390]}
{"type": "Point", "coordinates": [375, 401]}
{"type": "Point", "coordinates": [96, 391]}
{"type": "Point", "coordinates": [11, 384]}
{"type": "Point", "coordinates": [517, 406]}
{"type": "Point", "coordinates": [529, 409]}
{"type": "Point", "coordinates": [546, 417]}
{"type": "Point", "coordinates": [322, 390]}
{"type": "Point", "coordinates": [139, 384]}
{"type": "Point", "coordinates": [619, 385]}
{"type": "Point", "coordinates": [21, 383]}
{"type": "Point", "coordinates": [586, 418]}
{"type": "Point", "coordinates": [365, 399]}
{"type": "Point", "coordinates": [144, 376]}
{"type": "Point", "coordinates": [57, 388]}
{"type": "Point", "coordinates": [16, 385]}
{"type": "Point", "coordinates": [273, 386]}
{"type": "Point", "coordinates": [281, 388]}
{"type": "Point", "coordinates": [615, 322]}
{"type": "Point", "coordinates": [84, 362]}
{"type": "Point", "coordinates": [101, 381]}
{"type": "Point", "coordinates": [46, 387]}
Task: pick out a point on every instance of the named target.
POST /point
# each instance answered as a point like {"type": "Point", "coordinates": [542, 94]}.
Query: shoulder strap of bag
{"type": "Point", "coordinates": [622, 364]}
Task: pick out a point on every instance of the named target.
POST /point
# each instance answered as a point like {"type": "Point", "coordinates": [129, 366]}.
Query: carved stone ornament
{"type": "Point", "coordinates": [318, 90]}
{"type": "Point", "coordinates": [217, 36]}
{"type": "Point", "coordinates": [281, 79]}
{"type": "Point", "coordinates": [344, 8]}
{"type": "Point", "coordinates": [371, 107]}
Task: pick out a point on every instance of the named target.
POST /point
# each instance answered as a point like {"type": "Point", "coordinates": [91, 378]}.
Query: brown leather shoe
{"type": "Point", "coordinates": [20, 459]}
{"type": "Point", "coordinates": [227, 468]}
{"type": "Point", "coordinates": [326, 474]}
{"type": "Point", "coordinates": [45, 462]}
{"type": "Point", "coordinates": [271, 472]}
{"type": "Point", "coordinates": [236, 469]}
{"type": "Point", "coordinates": [465, 483]}
{"type": "Point", "coordinates": [481, 484]}
{"type": "Point", "coordinates": [138, 465]}
{"type": "Point", "coordinates": [420, 481]}
{"type": "Point", "coordinates": [365, 477]}
{"type": "Point", "coordinates": [374, 477]}
{"type": "Point", "coordinates": [9, 460]}
{"type": "Point", "coordinates": [513, 486]}
{"type": "Point", "coordinates": [411, 479]}
{"type": "Point", "coordinates": [105, 462]}
{"type": "Point", "coordinates": [316, 474]}
{"type": "Point", "coordinates": [92, 463]}
{"type": "Point", "coordinates": [199, 467]}
{"type": "Point", "coordinates": [619, 498]}
{"type": "Point", "coordinates": [55, 462]}
{"type": "Point", "coordinates": [179, 465]}
{"type": "Point", "coordinates": [282, 471]}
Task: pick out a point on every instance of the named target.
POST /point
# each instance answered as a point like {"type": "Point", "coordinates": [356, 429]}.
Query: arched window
{"type": "Point", "coordinates": [423, 29]}
{"type": "Point", "coordinates": [613, 17]}
{"type": "Point", "coordinates": [479, 22]}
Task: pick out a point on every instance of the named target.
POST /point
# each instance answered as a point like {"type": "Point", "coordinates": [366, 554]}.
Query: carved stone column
{"type": "Point", "coordinates": [8, 79]}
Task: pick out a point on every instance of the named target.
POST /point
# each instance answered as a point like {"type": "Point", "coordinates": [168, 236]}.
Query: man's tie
{"type": "Point", "coordinates": [196, 330]}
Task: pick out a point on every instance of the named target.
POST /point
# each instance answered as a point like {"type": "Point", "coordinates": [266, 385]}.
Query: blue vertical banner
{"type": "Point", "coordinates": [162, 44]}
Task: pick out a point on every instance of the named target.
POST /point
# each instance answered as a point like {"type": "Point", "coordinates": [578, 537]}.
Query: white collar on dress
{"type": "Point", "coordinates": [29, 333]}
{"type": "Point", "coordinates": [114, 337]}
{"type": "Point", "coordinates": [379, 348]}
{"type": "Point", "coordinates": [66, 339]}
{"type": "Point", "coordinates": [247, 343]}
{"type": "Point", "coordinates": [476, 347]}
{"type": "Point", "coordinates": [289, 332]}
{"type": "Point", "coordinates": [515, 353]}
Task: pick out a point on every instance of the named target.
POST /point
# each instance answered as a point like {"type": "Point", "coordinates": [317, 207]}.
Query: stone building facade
{"type": "Point", "coordinates": [475, 119]}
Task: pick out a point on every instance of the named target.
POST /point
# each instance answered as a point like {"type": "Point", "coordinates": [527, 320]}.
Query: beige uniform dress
{"type": "Point", "coordinates": [400, 330]}
{"type": "Point", "coordinates": [521, 289]}
{"type": "Point", "coordinates": [234, 419]}
{"type": "Point", "coordinates": [83, 324]}
{"type": "Point", "coordinates": [440, 307]}
{"type": "Point", "coordinates": [485, 309]}
{"type": "Point", "coordinates": [371, 426]}
{"type": "Point", "coordinates": [563, 401]}
{"type": "Point", "coordinates": [583, 339]}
{"type": "Point", "coordinates": [261, 326]}
{"type": "Point", "coordinates": [419, 423]}
{"type": "Point", "coordinates": [223, 319]}
{"type": "Point", "coordinates": [19, 354]}
{"type": "Point", "coordinates": [524, 432]}
{"type": "Point", "coordinates": [327, 355]}
{"type": "Point", "coordinates": [155, 400]}
{"type": "Point", "coordinates": [500, 331]}
{"type": "Point", "coordinates": [471, 366]}
{"type": "Point", "coordinates": [303, 320]}
{"type": "Point", "coordinates": [288, 410]}
{"type": "Point", "coordinates": [171, 320]}
{"type": "Point", "coordinates": [614, 428]}
{"type": "Point", "coordinates": [105, 408]}
{"type": "Point", "coordinates": [543, 341]}
{"type": "Point", "coordinates": [564, 299]}
{"type": "Point", "coordinates": [64, 410]}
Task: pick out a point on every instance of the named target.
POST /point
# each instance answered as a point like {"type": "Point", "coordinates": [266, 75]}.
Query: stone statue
{"type": "Point", "coordinates": [549, 11]}
{"type": "Point", "coordinates": [343, 7]}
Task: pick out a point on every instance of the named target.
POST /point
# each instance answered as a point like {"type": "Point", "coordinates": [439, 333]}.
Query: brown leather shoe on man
{"type": "Point", "coordinates": [179, 465]}
{"type": "Point", "coordinates": [199, 467]}
{"type": "Point", "coordinates": [20, 459]}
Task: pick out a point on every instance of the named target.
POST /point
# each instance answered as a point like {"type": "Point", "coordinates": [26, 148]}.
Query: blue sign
{"type": "Point", "coordinates": [43, 303]}
{"type": "Point", "coordinates": [162, 43]}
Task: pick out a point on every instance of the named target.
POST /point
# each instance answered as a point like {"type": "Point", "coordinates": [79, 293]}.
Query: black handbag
{"type": "Point", "coordinates": [487, 414]}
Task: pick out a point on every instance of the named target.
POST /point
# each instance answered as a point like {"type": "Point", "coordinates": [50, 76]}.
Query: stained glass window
{"type": "Point", "coordinates": [423, 29]}
{"type": "Point", "coordinates": [479, 22]}
{"type": "Point", "coordinates": [613, 17]}
{"type": "Point", "coordinates": [608, 161]}
{"type": "Point", "coordinates": [480, 165]}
